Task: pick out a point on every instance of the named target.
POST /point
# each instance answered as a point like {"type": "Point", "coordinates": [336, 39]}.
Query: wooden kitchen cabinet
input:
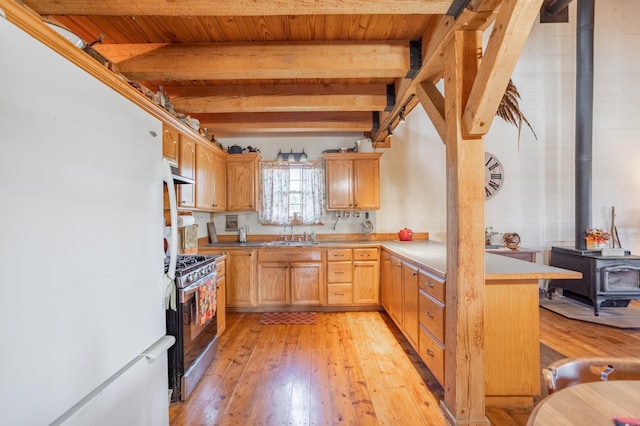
{"type": "Point", "coordinates": [410, 303]}
{"type": "Point", "coordinates": [187, 166]}
{"type": "Point", "coordinates": [243, 182]}
{"type": "Point", "coordinates": [339, 276]}
{"type": "Point", "coordinates": [274, 286]}
{"type": "Point", "coordinates": [240, 265]}
{"type": "Point", "coordinates": [307, 283]}
{"type": "Point", "coordinates": [353, 181]}
{"type": "Point", "coordinates": [219, 182]}
{"type": "Point", "coordinates": [290, 277]}
{"type": "Point", "coordinates": [396, 299]}
{"type": "Point", "coordinates": [385, 280]}
{"type": "Point", "coordinates": [170, 141]}
{"type": "Point", "coordinates": [366, 276]}
{"type": "Point", "coordinates": [221, 303]}
{"type": "Point", "coordinates": [431, 313]}
{"type": "Point", "coordinates": [210, 179]}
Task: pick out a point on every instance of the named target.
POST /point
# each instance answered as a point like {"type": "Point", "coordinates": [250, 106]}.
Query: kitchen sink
{"type": "Point", "coordinates": [290, 243]}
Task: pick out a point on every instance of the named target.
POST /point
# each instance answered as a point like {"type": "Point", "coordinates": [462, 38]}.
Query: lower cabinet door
{"type": "Point", "coordinates": [273, 284]}
{"type": "Point", "coordinates": [306, 284]}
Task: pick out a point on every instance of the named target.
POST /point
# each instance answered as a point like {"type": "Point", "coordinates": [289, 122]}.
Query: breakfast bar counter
{"type": "Point", "coordinates": [511, 316]}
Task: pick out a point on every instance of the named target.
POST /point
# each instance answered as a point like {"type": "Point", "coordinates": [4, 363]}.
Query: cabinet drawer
{"type": "Point", "coordinates": [432, 286]}
{"type": "Point", "coordinates": [339, 255]}
{"type": "Point", "coordinates": [339, 272]}
{"type": "Point", "coordinates": [366, 254]}
{"type": "Point", "coordinates": [289, 255]}
{"type": "Point", "coordinates": [432, 354]}
{"type": "Point", "coordinates": [339, 294]}
{"type": "Point", "coordinates": [432, 315]}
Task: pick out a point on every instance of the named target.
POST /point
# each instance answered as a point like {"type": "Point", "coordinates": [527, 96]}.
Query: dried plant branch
{"type": "Point", "coordinates": [509, 110]}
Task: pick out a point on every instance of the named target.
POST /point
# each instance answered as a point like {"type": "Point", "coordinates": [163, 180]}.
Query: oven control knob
{"type": "Point", "coordinates": [191, 277]}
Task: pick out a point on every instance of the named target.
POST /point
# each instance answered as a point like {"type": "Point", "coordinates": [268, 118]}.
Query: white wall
{"type": "Point", "coordinates": [537, 199]}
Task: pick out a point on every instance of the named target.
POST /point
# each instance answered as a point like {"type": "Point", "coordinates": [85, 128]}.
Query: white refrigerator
{"type": "Point", "coordinates": [82, 317]}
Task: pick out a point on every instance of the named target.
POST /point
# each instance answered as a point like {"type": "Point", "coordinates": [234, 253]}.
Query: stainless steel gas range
{"type": "Point", "coordinates": [193, 323]}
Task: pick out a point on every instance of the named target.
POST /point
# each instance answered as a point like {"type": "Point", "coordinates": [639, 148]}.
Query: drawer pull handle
{"type": "Point", "coordinates": [430, 353]}
{"type": "Point", "coordinates": [338, 294]}
{"type": "Point", "coordinates": [339, 272]}
{"type": "Point", "coordinates": [430, 284]}
{"type": "Point", "coordinates": [430, 315]}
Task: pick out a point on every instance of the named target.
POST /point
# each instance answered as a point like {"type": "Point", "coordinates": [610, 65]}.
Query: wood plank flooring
{"type": "Point", "coordinates": [351, 368]}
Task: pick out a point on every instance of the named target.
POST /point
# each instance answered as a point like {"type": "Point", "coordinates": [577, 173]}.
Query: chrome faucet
{"type": "Point", "coordinates": [285, 230]}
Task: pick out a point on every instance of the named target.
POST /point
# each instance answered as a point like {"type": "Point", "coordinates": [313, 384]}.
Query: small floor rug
{"type": "Point", "coordinates": [618, 317]}
{"type": "Point", "coordinates": [288, 318]}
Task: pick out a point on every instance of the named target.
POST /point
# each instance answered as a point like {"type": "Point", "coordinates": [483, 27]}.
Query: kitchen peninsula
{"type": "Point", "coordinates": [412, 288]}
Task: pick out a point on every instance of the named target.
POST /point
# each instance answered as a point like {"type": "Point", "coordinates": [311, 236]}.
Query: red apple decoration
{"type": "Point", "coordinates": [405, 234]}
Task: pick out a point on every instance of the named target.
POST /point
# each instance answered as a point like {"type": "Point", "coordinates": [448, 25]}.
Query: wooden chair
{"type": "Point", "coordinates": [572, 371]}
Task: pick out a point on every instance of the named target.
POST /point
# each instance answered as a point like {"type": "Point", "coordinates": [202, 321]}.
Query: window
{"type": "Point", "coordinates": [292, 192]}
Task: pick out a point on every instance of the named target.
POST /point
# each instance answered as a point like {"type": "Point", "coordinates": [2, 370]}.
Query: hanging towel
{"type": "Point", "coordinates": [206, 301]}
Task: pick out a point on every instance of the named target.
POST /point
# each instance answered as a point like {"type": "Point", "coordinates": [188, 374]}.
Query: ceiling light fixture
{"type": "Point", "coordinates": [291, 158]}
{"type": "Point", "coordinates": [280, 157]}
{"type": "Point", "coordinates": [303, 157]}
{"type": "Point", "coordinates": [400, 114]}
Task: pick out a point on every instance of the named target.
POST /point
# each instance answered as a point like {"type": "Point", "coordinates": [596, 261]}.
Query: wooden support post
{"type": "Point", "coordinates": [464, 402]}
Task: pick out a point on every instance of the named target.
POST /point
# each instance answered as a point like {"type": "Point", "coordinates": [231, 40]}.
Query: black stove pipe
{"type": "Point", "coordinates": [557, 6]}
{"type": "Point", "coordinates": [584, 120]}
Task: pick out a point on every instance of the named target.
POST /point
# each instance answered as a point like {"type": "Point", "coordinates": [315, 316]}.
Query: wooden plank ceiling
{"type": "Point", "coordinates": [275, 65]}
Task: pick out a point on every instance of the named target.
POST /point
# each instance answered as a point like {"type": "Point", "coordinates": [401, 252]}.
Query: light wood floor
{"type": "Point", "coordinates": [351, 368]}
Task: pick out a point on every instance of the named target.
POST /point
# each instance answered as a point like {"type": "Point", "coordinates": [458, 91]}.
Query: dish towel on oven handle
{"type": "Point", "coordinates": [206, 301]}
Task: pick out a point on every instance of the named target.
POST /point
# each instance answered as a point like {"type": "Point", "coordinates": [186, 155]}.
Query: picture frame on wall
{"type": "Point", "coordinates": [231, 223]}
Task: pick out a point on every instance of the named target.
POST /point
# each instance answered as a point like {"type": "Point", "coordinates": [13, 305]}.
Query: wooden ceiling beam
{"type": "Point", "coordinates": [278, 98]}
{"type": "Point", "coordinates": [432, 101]}
{"type": "Point", "coordinates": [433, 41]}
{"type": "Point", "coordinates": [237, 7]}
{"type": "Point", "coordinates": [286, 122]}
{"type": "Point", "coordinates": [237, 61]}
{"type": "Point", "coordinates": [510, 33]}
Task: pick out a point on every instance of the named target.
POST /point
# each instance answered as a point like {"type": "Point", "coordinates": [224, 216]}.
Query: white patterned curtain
{"type": "Point", "coordinates": [275, 193]}
{"type": "Point", "coordinates": [313, 193]}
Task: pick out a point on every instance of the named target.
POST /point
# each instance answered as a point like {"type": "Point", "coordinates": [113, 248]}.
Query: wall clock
{"type": "Point", "coordinates": [493, 175]}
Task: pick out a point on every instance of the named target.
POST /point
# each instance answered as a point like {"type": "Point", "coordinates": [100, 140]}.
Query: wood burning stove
{"type": "Point", "coordinates": [607, 281]}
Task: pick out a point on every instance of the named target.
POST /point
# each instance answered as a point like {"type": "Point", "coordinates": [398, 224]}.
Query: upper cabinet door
{"type": "Point", "coordinates": [204, 178]}
{"type": "Point", "coordinates": [366, 184]}
{"type": "Point", "coordinates": [339, 186]}
{"type": "Point", "coordinates": [219, 175]}
{"type": "Point", "coordinates": [243, 182]}
{"type": "Point", "coordinates": [170, 138]}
